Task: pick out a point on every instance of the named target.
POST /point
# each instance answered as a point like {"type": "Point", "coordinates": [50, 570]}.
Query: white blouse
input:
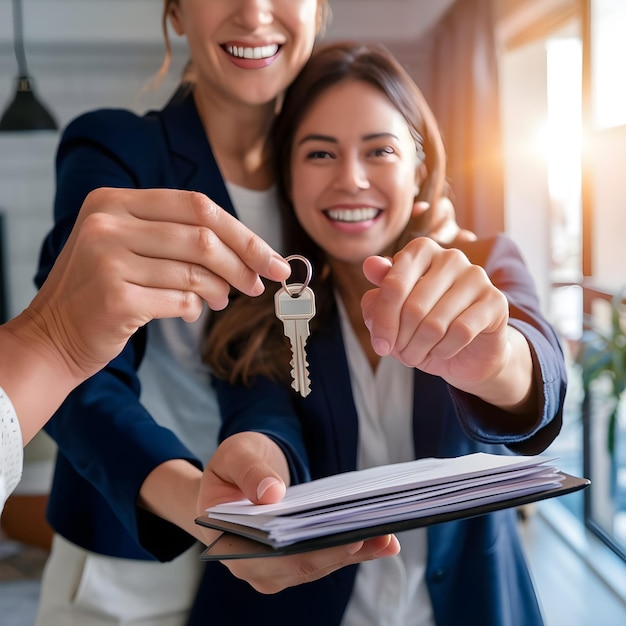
{"type": "Point", "coordinates": [390, 591]}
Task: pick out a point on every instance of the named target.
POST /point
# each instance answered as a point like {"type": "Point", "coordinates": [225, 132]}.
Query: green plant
{"type": "Point", "coordinates": [603, 353]}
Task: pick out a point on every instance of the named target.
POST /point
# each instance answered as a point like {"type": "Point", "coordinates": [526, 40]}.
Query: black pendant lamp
{"type": "Point", "coordinates": [25, 112]}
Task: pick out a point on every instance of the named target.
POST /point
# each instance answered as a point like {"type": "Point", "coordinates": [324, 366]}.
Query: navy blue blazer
{"type": "Point", "coordinates": [476, 571]}
{"type": "Point", "coordinates": [107, 441]}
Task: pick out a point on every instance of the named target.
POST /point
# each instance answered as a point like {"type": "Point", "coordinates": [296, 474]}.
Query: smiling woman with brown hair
{"type": "Point", "coordinates": [417, 351]}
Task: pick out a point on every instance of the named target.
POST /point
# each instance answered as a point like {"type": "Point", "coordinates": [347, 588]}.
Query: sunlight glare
{"type": "Point", "coordinates": [564, 126]}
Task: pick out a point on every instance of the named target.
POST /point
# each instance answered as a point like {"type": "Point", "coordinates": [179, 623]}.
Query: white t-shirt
{"type": "Point", "coordinates": [11, 449]}
{"type": "Point", "coordinates": [390, 591]}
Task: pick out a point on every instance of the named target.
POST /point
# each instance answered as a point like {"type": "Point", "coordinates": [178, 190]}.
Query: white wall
{"type": "Point", "coordinates": [82, 55]}
{"type": "Point", "coordinates": [70, 80]}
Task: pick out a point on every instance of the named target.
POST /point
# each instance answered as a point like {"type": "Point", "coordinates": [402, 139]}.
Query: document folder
{"type": "Point", "coordinates": [362, 504]}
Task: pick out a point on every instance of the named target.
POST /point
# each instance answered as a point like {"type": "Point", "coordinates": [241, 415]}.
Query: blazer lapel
{"type": "Point", "coordinates": [332, 393]}
{"type": "Point", "coordinates": [194, 166]}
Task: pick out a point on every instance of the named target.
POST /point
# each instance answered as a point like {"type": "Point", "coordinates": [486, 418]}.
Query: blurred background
{"type": "Point", "coordinates": [531, 98]}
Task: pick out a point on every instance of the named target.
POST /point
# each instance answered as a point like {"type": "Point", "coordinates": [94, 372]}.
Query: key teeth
{"type": "Point", "coordinates": [294, 379]}
{"type": "Point", "coordinates": [293, 360]}
{"type": "Point", "coordinates": [295, 385]}
{"type": "Point", "coordinates": [303, 392]}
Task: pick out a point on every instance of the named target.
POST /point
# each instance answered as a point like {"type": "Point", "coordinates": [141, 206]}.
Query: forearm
{"type": "Point", "coordinates": [33, 373]}
{"type": "Point", "coordinates": [176, 490]}
{"type": "Point", "coordinates": [512, 388]}
{"type": "Point", "coordinates": [171, 492]}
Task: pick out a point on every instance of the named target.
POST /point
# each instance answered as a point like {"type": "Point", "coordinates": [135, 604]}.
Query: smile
{"type": "Point", "coordinates": [353, 215]}
{"type": "Point", "coordinates": [260, 52]}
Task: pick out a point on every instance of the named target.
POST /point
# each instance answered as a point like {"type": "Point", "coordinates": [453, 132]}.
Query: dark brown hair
{"type": "Point", "coordinates": [246, 339]}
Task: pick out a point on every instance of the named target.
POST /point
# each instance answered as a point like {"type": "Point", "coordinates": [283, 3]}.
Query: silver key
{"type": "Point", "coordinates": [295, 306]}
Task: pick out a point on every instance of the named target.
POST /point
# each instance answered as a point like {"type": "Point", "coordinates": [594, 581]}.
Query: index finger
{"type": "Point", "coordinates": [195, 209]}
{"type": "Point", "coordinates": [383, 309]}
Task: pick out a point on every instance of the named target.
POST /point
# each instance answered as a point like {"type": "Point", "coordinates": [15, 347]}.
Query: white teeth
{"type": "Point", "coordinates": [261, 52]}
{"type": "Point", "coordinates": [352, 215]}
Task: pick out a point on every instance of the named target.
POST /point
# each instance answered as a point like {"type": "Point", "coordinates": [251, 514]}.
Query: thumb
{"type": "Point", "coordinates": [262, 485]}
{"type": "Point", "coordinates": [270, 490]}
{"type": "Point", "coordinates": [257, 466]}
{"type": "Point", "coordinates": [375, 269]}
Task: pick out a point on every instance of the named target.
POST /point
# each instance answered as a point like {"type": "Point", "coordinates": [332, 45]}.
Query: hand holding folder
{"type": "Point", "coordinates": [361, 504]}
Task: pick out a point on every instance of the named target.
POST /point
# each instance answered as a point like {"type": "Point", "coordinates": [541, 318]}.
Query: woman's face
{"type": "Point", "coordinates": [247, 50]}
{"type": "Point", "coordinates": [354, 172]}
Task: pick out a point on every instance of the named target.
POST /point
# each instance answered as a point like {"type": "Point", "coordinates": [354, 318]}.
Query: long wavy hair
{"type": "Point", "coordinates": [247, 340]}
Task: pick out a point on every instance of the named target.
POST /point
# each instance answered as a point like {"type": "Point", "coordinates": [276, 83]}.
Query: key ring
{"type": "Point", "coordinates": [307, 280]}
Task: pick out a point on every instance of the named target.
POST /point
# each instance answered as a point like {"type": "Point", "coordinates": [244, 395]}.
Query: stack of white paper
{"type": "Point", "coordinates": [391, 493]}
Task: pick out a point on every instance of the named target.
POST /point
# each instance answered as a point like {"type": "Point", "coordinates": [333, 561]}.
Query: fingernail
{"type": "Point", "coordinates": [264, 485]}
{"type": "Point", "coordinates": [368, 324]}
{"type": "Point", "coordinates": [381, 347]}
{"type": "Point", "coordinates": [392, 548]}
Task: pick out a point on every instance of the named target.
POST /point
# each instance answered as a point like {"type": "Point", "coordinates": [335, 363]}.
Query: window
{"type": "Point", "coordinates": [566, 207]}
{"type": "Point", "coordinates": [608, 41]}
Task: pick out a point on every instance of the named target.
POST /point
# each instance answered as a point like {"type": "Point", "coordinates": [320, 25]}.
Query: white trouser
{"type": "Point", "coordinates": [81, 588]}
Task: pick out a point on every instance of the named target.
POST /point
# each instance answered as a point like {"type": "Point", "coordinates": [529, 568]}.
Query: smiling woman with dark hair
{"type": "Point", "coordinates": [417, 351]}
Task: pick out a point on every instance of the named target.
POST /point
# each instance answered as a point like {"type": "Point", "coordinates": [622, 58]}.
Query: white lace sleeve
{"type": "Point", "coordinates": [11, 449]}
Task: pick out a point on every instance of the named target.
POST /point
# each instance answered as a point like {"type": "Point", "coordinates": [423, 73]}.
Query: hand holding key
{"type": "Point", "coordinates": [295, 306]}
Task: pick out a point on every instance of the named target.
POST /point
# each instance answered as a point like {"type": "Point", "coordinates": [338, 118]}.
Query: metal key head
{"type": "Point", "coordinates": [295, 307]}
